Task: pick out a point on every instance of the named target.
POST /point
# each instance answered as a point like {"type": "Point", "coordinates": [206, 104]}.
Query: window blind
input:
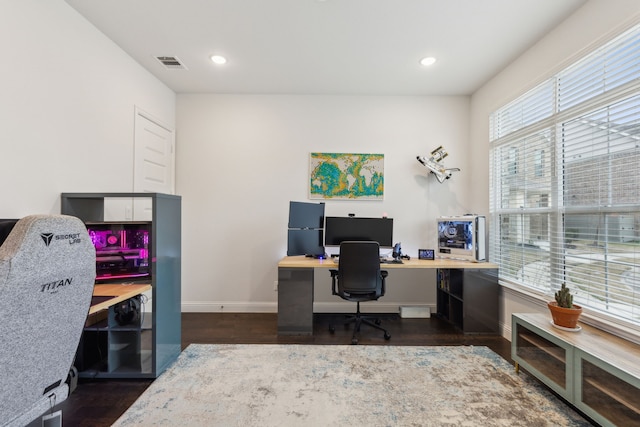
{"type": "Point", "coordinates": [565, 182]}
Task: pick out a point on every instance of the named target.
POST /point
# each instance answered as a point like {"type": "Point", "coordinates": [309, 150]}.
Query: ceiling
{"type": "Point", "coordinates": [363, 47]}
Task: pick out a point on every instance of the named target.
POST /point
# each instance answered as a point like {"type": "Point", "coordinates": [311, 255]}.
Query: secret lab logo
{"type": "Point", "coordinates": [46, 237]}
{"type": "Point", "coordinates": [71, 238]}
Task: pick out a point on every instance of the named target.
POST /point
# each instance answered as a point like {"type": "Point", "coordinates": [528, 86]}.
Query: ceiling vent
{"type": "Point", "coordinates": [171, 62]}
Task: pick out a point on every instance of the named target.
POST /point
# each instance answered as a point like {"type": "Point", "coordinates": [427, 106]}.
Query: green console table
{"type": "Point", "coordinates": [595, 371]}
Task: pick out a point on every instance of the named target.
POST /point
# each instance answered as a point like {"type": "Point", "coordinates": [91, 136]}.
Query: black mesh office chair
{"type": "Point", "coordinates": [359, 278]}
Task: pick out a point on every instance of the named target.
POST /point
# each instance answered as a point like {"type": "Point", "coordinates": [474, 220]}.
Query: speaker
{"type": "Point", "coordinates": [128, 311]}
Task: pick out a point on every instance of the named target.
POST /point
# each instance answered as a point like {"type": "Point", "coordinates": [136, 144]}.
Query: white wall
{"type": "Point", "coordinates": [597, 21]}
{"type": "Point", "coordinates": [242, 158]}
{"type": "Point", "coordinates": [67, 107]}
{"type": "Point", "coordinates": [67, 114]}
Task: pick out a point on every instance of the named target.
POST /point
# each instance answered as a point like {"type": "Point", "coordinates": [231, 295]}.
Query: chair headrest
{"type": "Point", "coordinates": [36, 238]}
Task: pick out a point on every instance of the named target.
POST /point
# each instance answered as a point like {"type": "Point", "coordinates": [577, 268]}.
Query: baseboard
{"type": "Point", "coordinates": [229, 306]}
{"type": "Point", "coordinates": [367, 307]}
{"type": "Point", "coordinates": [272, 307]}
{"type": "Point", "coordinates": [506, 330]}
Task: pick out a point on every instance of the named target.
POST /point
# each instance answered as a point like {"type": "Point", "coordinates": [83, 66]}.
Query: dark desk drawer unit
{"type": "Point", "coordinates": [468, 298]}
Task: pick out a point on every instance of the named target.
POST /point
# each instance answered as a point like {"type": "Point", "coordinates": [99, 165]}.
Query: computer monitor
{"type": "Point", "coordinates": [307, 242]}
{"type": "Point", "coordinates": [340, 229]}
{"type": "Point", "coordinates": [6, 225]}
{"type": "Point", "coordinates": [306, 215]}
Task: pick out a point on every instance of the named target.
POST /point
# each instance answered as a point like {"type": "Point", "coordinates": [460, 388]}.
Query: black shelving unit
{"type": "Point", "coordinates": [146, 347]}
{"type": "Point", "coordinates": [468, 298]}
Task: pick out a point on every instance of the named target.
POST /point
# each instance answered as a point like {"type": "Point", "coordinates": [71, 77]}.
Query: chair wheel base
{"type": "Point", "coordinates": [387, 336]}
{"type": "Point", "coordinates": [354, 341]}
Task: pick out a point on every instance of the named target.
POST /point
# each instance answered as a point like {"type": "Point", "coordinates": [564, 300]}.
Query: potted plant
{"type": "Point", "coordinates": [564, 312]}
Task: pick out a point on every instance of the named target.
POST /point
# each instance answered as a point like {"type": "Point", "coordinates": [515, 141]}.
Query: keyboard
{"type": "Point", "coordinates": [390, 261]}
{"type": "Point", "coordinates": [382, 260]}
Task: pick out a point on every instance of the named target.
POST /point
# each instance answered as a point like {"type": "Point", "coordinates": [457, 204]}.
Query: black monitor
{"type": "Point", "coordinates": [306, 215]}
{"type": "Point", "coordinates": [305, 242]}
{"type": "Point", "coordinates": [6, 225]}
{"type": "Point", "coordinates": [340, 229]}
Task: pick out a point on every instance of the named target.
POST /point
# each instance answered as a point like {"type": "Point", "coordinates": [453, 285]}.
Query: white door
{"type": "Point", "coordinates": [154, 162]}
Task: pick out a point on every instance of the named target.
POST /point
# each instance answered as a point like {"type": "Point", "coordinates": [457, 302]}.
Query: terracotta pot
{"type": "Point", "coordinates": [565, 317]}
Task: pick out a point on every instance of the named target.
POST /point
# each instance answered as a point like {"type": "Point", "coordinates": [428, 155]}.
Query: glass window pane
{"type": "Point", "coordinates": [532, 107]}
{"type": "Point", "coordinates": [602, 156]}
{"type": "Point", "coordinates": [524, 249]}
{"type": "Point", "coordinates": [565, 200]}
{"type": "Point", "coordinates": [602, 261]}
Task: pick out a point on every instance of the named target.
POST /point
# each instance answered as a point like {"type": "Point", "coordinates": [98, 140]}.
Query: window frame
{"type": "Point", "coordinates": [510, 126]}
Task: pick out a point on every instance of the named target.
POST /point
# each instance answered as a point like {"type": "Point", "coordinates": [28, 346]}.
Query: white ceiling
{"type": "Point", "coordinates": [366, 47]}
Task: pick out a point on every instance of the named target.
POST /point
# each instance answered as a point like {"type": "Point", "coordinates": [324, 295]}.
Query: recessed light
{"type": "Point", "coordinates": [217, 59]}
{"type": "Point", "coordinates": [430, 60]}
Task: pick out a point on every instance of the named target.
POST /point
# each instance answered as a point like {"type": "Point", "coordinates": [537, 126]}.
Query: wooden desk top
{"type": "Point", "coordinates": [119, 292]}
{"type": "Point", "coordinates": [301, 261]}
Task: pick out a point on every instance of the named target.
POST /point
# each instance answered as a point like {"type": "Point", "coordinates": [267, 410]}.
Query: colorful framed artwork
{"type": "Point", "coordinates": [349, 176]}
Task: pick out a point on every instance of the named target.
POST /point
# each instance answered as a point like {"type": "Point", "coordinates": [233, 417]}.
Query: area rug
{"type": "Point", "coordinates": [315, 385]}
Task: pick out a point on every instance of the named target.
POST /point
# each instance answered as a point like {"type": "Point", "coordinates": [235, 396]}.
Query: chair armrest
{"type": "Point", "coordinates": [383, 274]}
{"type": "Point", "coordinates": [334, 278]}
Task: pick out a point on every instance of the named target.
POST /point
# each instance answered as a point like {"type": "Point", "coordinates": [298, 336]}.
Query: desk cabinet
{"type": "Point", "coordinates": [295, 292]}
{"type": "Point", "coordinates": [595, 371]}
{"type": "Point", "coordinates": [109, 349]}
{"type": "Point", "coordinates": [468, 298]}
{"type": "Point", "coordinates": [146, 349]}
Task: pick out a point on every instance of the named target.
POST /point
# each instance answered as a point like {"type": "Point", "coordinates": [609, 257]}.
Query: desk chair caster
{"type": "Point", "coordinates": [387, 337]}
{"type": "Point", "coordinates": [358, 320]}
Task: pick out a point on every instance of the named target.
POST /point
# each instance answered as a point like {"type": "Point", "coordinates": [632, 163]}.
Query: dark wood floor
{"type": "Point", "coordinates": [98, 403]}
